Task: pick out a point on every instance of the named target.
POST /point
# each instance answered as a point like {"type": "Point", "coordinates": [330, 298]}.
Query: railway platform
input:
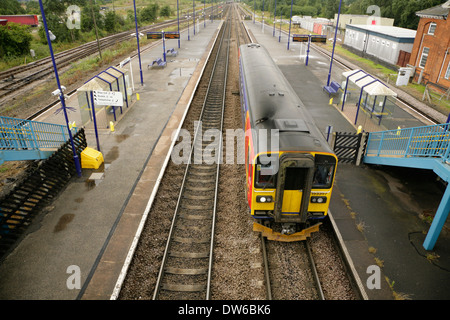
{"type": "Point", "coordinates": [90, 227]}
{"type": "Point", "coordinates": [380, 211]}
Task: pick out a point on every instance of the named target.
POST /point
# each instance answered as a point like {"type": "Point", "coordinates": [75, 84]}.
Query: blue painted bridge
{"type": "Point", "coordinates": [29, 140]}
{"type": "Point", "coordinates": [421, 147]}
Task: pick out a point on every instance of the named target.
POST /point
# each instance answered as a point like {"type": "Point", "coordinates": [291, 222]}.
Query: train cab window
{"type": "Point", "coordinates": [323, 172]}
{"type": "Point", "coordinates": [295, 178]}
{"type": "Point", "coordinates": [266, 176]}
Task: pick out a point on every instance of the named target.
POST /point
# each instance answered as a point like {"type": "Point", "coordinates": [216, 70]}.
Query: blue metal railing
{"type": "Point", "coordinates": [429, 141]}
{"type": "Point", "coordinates": [19, 134]}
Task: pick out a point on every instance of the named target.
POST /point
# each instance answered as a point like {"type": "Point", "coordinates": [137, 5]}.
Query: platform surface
{"type": "Point", "coordinates": [92, 223]}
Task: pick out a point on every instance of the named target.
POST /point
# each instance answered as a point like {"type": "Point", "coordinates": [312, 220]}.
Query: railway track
{"type": "Point", "coordinates": [309, 270]}
{"type": "Point", "coordinates": [20, 77]}
{"type": "Point", "coordinates": [184, 248]}
{"type": "Point", "coordinates": [185, 271]}
{"type": "Point", "coordinates": [290, 269]}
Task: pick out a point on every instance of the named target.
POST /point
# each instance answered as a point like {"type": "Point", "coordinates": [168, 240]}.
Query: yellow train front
{"type": "Point", "coordinates": [290, 167]}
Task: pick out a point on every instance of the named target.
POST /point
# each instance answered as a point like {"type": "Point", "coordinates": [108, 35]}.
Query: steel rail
{"type": "Point", "coordinates": [162, 272]}
{"type": "Point", "coordinates": [314, 270]}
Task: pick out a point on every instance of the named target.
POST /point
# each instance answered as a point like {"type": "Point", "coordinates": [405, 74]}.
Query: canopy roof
{"type": "Point", "coordinates": [372, 86]}
{"type": "Point", "coordinates": [102, 80]}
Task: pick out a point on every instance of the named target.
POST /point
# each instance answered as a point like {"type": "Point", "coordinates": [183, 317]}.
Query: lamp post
{"type": "Point", "coordinates": [263, 17]}
{"type": "Point", "coordinates": [61, 93]}
{"type": "Point", "coordinates": [189, 36]}
{"type": "Point", "coordinates": [178, 19]}
{"type": "Point", "coordinates": [254, 11]}
{"type": "Point", "coordinates": [281, 20]}
{"type": "Point", "coordinates": [334, 42]}
{"type": "Point", "coordinates": [274, 18]}
{"type": "Point", "coordinates": [137, 38]}
{"type": "Point", "coordinates": [290, 22]}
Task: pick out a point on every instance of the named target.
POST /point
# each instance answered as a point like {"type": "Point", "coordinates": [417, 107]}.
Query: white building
{"type": "Point", "coordinates": [384, 43]}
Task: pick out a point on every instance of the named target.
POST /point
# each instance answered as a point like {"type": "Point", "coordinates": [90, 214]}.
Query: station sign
{"type": "Point", "coordinates": [306, 37]}
{"type": "Point", "coordinates": [172, 35]}
{"type": "Point", "coordinates": [154, 35]}
{"type": "Point", "coordinates": [108, 98]}
{"type": "Point", "coordinates": [165, 35]}
{"type": "Point", "coordinates": [321, 39]}
{"type": "Point", "coordinates": [300, 38]}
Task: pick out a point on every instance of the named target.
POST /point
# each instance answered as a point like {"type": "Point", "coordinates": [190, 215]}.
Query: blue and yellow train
{"type": "Point", "coordinates": [290, 167]}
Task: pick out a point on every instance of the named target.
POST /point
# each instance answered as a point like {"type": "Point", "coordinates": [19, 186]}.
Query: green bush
{"type": "Point", "coordinates": [15, 40]}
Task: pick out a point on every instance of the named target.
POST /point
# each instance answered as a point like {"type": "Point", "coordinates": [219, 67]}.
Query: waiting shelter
{"type": "Point", "coordinates": [363, 93]}
{"type": "Point", "coordinates": [104, 98]}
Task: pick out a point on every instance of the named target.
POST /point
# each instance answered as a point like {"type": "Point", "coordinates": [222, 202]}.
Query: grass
{"type": "Point", "coordinates": [120, 6]}
{"type": "Point", "coordinates": [386, 74]}
{"type": "Point", "coordinates": [390, 76]}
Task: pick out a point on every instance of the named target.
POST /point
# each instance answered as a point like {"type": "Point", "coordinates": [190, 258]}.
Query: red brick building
{"type": "Point", "coordinates": [431, 51]}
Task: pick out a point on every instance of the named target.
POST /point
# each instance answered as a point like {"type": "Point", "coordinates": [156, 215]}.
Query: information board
{"type": "Point", "coordinates": [154, 35]}
{"type": "Point", "coordinates": [321, 39]}
{"type": "Point", "coordinates": [171, 35]}
{"type": "Point", "coordinates": [108, 98]}
{"type": "Point", "coordinates": [300, 38]}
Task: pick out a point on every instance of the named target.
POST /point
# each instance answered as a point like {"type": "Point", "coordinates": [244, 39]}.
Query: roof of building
{"type": "Point", "coordinates": [439, 12]}
{"type": "Point", "coordinates": [395, 32]}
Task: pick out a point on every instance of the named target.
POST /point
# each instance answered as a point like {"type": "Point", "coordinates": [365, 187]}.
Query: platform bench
{"type": "Point", "coordinates": [172, 52]}
{"type": "Point", "coordinates": [332, 88]}
{"type": "Point", "coordinates": [158, 63]}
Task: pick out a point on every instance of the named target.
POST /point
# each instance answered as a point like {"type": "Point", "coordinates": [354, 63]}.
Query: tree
{"type": "Point", "coordinates": [166, 11]}
{"type": "Point", "coordinates": [56, 15]}
{"type": "Point", "coordinates": [330, 8]}
{"type": "Point", "coordinates": [8, 7]}
{"type": "Point", "coordinates": [15, 39]}
{"type": "Point", "coordinates": [149, 13]}
{"type": "Point", "coordinates": [113, 21]}
{"type": "Point", "coordinates": [87, 22]}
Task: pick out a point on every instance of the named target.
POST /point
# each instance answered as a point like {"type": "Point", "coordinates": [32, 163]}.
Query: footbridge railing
{"type": "Point", "coordinates": [421, 147]}
{"type": "Point", "coordinates": [28, 140]}
{"type": "Point", "coordinates": [429, 142]}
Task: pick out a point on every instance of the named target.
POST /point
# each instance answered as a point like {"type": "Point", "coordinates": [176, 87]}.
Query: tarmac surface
{"type": "Point", "coordinates": [94, 222]}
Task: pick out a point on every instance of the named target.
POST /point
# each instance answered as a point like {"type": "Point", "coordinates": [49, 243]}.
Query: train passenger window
{"type": "Point", "coordinates": [266, 176]}
{"type": "Point", "coordinates": [323, 173]}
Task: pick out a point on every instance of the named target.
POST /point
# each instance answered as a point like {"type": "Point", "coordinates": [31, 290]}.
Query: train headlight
{"type": "Point", "coordinates": [264, 199]}
{"type": "Point", "coordinates": [318, 199]}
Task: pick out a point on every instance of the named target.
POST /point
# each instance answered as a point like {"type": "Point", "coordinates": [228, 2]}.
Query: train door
{"type": "Point", "coordinates": [293, 188]}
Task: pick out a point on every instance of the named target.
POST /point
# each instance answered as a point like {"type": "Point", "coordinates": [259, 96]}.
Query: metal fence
{"type": "Point", "coordinates": [19, 134]}
{"type": "Point", "coordinates": [427, 141]}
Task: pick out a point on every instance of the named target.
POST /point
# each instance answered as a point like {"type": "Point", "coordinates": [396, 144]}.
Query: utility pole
{"type": "Point", "coordinates": [96, 31]}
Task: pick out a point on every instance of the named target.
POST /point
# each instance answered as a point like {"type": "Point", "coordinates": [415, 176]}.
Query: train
{"type": "Point", "coordinates": [27, 19]}
{"type": "Point", "coordinates": [290, 168]}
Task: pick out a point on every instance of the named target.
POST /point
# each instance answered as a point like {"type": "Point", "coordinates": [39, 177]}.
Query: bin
{"type": "Point", "coordinates": [91, 158]}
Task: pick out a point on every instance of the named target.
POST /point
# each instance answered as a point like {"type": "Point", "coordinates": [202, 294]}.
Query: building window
{"type": "Point", "coordinates": [432, 28]}
{"type": "Point", "coordinates": [423, 59]}
{"type": "Point", "coordinates": [447, 74]}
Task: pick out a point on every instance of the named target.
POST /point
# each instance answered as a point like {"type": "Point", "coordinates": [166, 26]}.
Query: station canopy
{"type": "Point", "coordinates": [372, 86]}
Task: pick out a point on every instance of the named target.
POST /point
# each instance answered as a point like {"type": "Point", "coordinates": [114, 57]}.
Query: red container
{"type": "Point", "coordinates": [31, 20]}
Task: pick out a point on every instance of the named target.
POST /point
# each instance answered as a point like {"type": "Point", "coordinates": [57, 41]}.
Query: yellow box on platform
{"type": "Point", "coordinates": [91, 158]}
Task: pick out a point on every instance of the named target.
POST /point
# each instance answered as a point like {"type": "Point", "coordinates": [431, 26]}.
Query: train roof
{"type": "Point", "coordinates": [273, 103]}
